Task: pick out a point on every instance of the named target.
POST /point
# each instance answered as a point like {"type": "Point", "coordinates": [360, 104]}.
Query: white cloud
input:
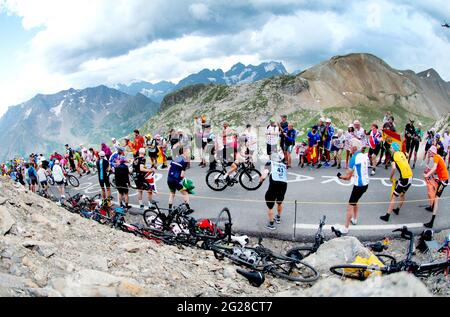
{"type": "Point", "coordinates": [84, 43]}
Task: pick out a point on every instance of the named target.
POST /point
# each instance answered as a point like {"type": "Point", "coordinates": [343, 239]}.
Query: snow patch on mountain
{"type": "Point", "coordinates": [57, 110]}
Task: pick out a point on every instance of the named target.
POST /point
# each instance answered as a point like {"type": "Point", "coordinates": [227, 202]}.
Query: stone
{"type": "Point", "coordinates": [337, 251]}
{"type": "Point", "coordinates": [400, 284]}
{"type": "Point", "coordinates": [230, 272]}
{"type": "Point", "coordinates": [43, 248]}
{"type": "Point", "coordinates": [3, 200]}
{"type": "Point", "coordinates": [6, 221]}
{"type": "Point", "coordinates": [96, 262]}
{"type": "Point", "coordinates": [11, 281]}
{"type": "Point", "coordinates": [39, 219]}
{"type": "Point", "coordinates": [131, 247]}
{"type": "Point", "coordinates": [43, 292]}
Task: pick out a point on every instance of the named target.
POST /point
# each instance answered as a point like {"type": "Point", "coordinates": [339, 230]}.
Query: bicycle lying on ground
{"type": "Point", "coordinates": [247, 175]}
{"type": "Point", "coordinates": [263, 260]}
{"type": "Point", "coordinates": [302, 252]}
{"type": "Point", "coordinates": [361, 272]}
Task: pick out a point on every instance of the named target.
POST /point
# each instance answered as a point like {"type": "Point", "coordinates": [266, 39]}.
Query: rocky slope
{"type": "Point", "coordinates": [46, 251]}
{"type": "Point", "coordinates": [344, 88]}
{"type": "Point", "coordinates": [88, 116]}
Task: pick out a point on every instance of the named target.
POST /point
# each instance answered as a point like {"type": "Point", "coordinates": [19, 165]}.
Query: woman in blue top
{"type": "Point", "coordinates": [290, 135]}
{"type": "Point", "coordinates": [33, 177]}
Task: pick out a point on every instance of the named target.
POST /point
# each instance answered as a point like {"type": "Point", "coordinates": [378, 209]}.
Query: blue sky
{"type": "Point", "coordinates": [51, 45]}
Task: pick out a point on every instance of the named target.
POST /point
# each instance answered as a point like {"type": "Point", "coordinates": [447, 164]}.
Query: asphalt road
{"type": "Point", "coordinates": [310, 194]}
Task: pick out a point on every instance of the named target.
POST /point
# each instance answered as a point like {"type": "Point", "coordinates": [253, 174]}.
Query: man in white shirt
{"type": "Point", "coordinates": [272, 137]}
{"type": "Point", "coordinates": [358, 172]}
{"type": "Point", "coordinates": [446, 143]}
{"type": "Point", "coordinates": [59, 178]}
{"type": "Point", "coordinates": [360, 134]}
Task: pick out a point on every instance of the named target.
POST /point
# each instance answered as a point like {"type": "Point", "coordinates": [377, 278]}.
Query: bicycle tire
{"type": "Point", "coordinates": [73, 181]}
{"type": "Point", "coordinates": [299, 253]}
{"type": "Point", "coordinates": [227, 219]}
{"type": "Point", "coordinates": [290, 269]}
{"type": "Point", "coordinates": [153, 220]}
{"type": "Point", "coordinates": [250, 176]}
{"type": "Point", "coordinates": [427, 269]}
{"type": "Point", "coordinates": [213, 178]}
{"type": "Point", "coordinates": [359, 272]}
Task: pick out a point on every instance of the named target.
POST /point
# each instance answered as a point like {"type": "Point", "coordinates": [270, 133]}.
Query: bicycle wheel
{"type": "Point", "coordinates": [73, 181]}
{"type": "Point", "coordinates": [427, 269]}
{"type": "Point", "coordinates": [222, 228]}
{"type": "Point", "coordinates": [354, 271]}
{"type": "Point", "coordinates": [249, 179]}
{"type": "Point", "coordinates": [290, 269]}
{"type": "Point", "coordinates": [153, 220]}
{"type": "Point", "coordinates": [222, 250]}
{"type": "Point", "coordinates": [216, 180]}
{"type": "Point", "coordinates": [299, 253]}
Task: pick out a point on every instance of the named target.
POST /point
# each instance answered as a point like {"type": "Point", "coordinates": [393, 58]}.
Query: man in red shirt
{"type": "Point", "coordinates": [139, 141]}
{"type": "Point", "coordinates": [440, 169]}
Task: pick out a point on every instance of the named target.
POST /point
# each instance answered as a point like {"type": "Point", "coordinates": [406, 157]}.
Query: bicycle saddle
{"type": "Point", "coordinates": [256, 279]}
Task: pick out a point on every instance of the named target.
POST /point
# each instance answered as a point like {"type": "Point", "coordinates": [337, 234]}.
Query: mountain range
{"type": "Point", "coordinates": [88, 116]}
{"type": "Point", "coordinates": [237, 75]}
{"type": "Point", "coordinates": [344, 88]}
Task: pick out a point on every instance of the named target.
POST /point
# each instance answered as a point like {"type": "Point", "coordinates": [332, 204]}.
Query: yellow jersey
{"type": "Point", "coordinates": [402, 164]}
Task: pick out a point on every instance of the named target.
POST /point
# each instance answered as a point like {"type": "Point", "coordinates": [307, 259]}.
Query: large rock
{"type": "Point", "coordinates": [16, 282]}
{"type": "Point", "coordinates": [394, 285]}
{"type": "Point", "coordinates": [91, 283]}
{"type": "Point", "coordinates": [337, 251]}
{"type": "Point", "coordinates": [6, 221]}
{"type": "Point", "coordinates": [45, 249]}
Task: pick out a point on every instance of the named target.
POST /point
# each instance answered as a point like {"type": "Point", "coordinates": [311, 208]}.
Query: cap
{"type": "Point", "coordinates": [351, 126]}
{"type": "Point", "coordinates": [314, 127]}
{"type": "Point", "coordinates": [142, 151]}
{"type": "Point", "coordinates": [433, 150]}
{"type": "Point", "coordinates": [102, 154]}
{"type": "Point", "coordinates": [322, 119]}
{"type": "Point", "coordinates": [113, 139]}
{"type": "Point", "coordinates": [328, 121]}
{"type": "Point", "coordinates": [395, 147]}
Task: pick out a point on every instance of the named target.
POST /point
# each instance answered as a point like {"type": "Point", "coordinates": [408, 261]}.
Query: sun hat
{"type": "Point", "coordinates": [433, 150]}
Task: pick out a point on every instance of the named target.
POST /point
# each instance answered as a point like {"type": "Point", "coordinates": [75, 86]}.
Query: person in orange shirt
{"type": "Point", "coordinates": [130, 146]}
{"type": "Point", "coordinates": [139, 142]}
{"type": "Point", "coordinates": [440, 169]}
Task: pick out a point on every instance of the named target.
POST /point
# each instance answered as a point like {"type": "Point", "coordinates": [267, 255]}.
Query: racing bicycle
{"type": "Point", "coordinates": [361, 272]}
{"type": "Point", "coordinates": [247, 175]}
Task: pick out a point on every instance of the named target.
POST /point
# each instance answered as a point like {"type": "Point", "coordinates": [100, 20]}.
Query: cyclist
{"type": "Point", "coordinates": [359, 172]}
{"type": "Point", "coordinates": [122, 177]}
{"type": "Point", "coordinates": [440, 169]}
{"type": "Point", "coordinates": [140, 173]}
{"type": "Point", "coordinates": [176, 175]}
{"type": "Point", "coordinates": [277, 169]}
{"type": "Point", "coordinates": [400, 163]}
{"type": "Point", "coordinates": [103, 175]}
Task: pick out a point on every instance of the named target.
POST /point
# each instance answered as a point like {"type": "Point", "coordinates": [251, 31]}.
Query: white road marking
{"type": "Point", "coordinates": [362, 227]}
{"type": "Point", "coordinates": [300, 178]}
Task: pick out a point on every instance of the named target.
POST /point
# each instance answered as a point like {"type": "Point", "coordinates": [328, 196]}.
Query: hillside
{"type": "Point", "coordinates": [46, 251]}
{"type": "Point", "coordinates": [88, 116]}
{"type": "Point", "coordinates": [345, 88]}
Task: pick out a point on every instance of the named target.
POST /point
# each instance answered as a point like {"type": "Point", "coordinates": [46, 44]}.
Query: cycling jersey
{"type": "Point", "coordinates": [137, 166]}
{"type": "Point", "coordinates": [441, 170]}
{"type": "Point", "coordinates": [313, 138]}
{"type": "Point", "coordinates": [401, 162]}
{"type": "Point", "coordinates": [360, 166]}
{"type": "Point", "coordinates": [176, 168]}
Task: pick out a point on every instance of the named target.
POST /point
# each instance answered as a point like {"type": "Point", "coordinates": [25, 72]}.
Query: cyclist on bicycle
{"type": "Point", "coordinates": [277, 169]}
{"type": "Point", "coordinates": [242, 156]}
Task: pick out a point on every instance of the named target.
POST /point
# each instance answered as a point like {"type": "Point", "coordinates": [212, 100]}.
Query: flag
{"type": "Point", "coordinates": [392, 137]}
